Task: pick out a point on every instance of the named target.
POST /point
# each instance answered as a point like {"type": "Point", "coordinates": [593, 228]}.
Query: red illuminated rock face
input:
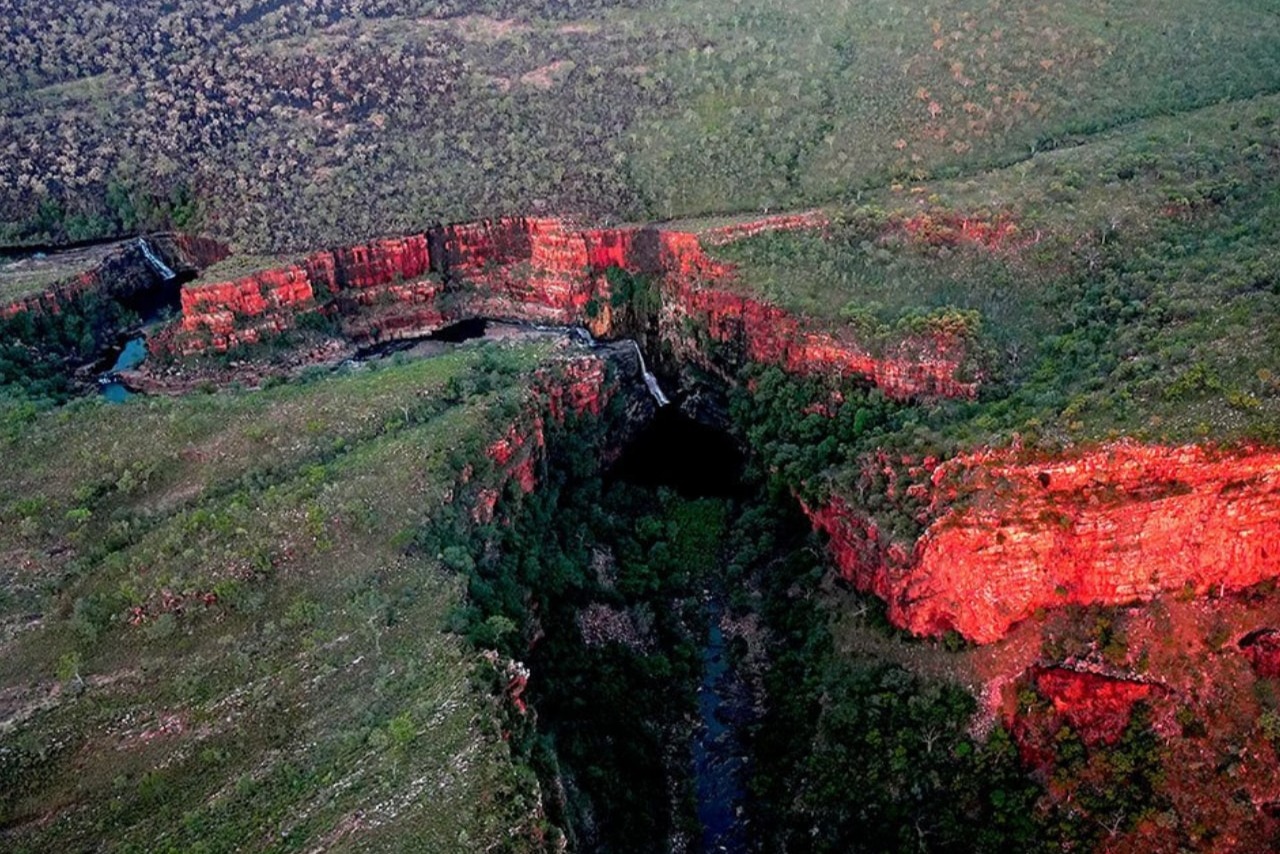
{"type": "Point", "coordinates": [1119, 524]}
{"type": "Point", "coordinates": [916, 367]}
{"type": "Point", "coordinates": [267, 295]}
{"type": "Point", "coordinates": [538, 270]}
{"type": "Point", "coordinates": [1097, 706]}
{"type": "Point", "coordinates": [577, 386]}
{"type": "Point", "coordinates": [545, 271]}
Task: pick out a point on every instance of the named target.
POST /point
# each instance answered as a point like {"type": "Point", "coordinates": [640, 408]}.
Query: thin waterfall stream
{"type": "Point", "coordinates": [160, 266]}
{"type": "Point", "coordinates": [650, 381]}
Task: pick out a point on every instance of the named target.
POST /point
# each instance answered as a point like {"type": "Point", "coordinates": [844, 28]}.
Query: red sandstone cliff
{"type": "Point", "coordinates": [1119, 524]}
{"type": "Point", "coordinates": [577, 386]}
{"type": "Point", "coordinates": [914, 367]}
{"type": "Point", "coordinates": [545, 271]}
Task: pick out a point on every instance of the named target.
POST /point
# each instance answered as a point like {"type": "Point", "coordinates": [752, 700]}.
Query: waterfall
{"type": "Point", "coordinates": [162, 268]}
{"type": "Point", "coordinates": [649, 379]}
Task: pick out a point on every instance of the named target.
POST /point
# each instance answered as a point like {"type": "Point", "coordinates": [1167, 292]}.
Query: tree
{"type": "Point", "coordinates": [68, 670]}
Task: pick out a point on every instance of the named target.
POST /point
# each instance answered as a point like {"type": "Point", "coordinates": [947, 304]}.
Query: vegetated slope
{"type": "Point", "coordinates": [217, 635]}
{"type": "Point", "coordinates": [1127, 286]}
{"type": "Point", "coordinates": [348, 120]}
{"type": "Point", "coordinates": [1121, 289]}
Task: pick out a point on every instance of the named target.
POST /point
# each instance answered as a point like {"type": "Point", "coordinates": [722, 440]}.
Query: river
{"type": "Point", "coordinates": [133, 354]}
{"type": "Point", "coordinates": [719, 761]}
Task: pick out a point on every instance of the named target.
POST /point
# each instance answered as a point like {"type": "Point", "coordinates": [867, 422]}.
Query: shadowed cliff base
{"type": "Point", "coordinates": [694, 459]}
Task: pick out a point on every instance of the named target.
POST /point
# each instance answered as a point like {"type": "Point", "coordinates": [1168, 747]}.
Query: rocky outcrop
{"type": "Point", "coordinates": [1097, 706]}
{"type": "Point", "coordinates": [1262, 648]}
{"type": "Point", "coordinates": [547, 271]}
{"type": "Point", "coordinates": [1122, 523]}
{"type": "Point", "coordinates": [941, 227]}
{"type": "Point", "coordinates": [122, 274]}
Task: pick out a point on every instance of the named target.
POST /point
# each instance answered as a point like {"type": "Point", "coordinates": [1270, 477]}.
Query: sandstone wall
{"type": "Point", "coordinates": [1117, 524]}
{"type": "Point", "coordinates": [547, 271]}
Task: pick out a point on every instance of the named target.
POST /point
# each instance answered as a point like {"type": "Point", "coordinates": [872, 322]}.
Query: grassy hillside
{"type": "Point", "coordinates": [287, 126]}
{"type": "Point", "coordinates": [1127, 284]}
{"type": "Point", "coordinates": [216, 636]}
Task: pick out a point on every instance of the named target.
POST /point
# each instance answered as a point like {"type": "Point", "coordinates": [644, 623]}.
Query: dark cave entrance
{"type": "Point", "coordinates": [676, 451]}
{"type": "Point", "coordinates": [463, 330]}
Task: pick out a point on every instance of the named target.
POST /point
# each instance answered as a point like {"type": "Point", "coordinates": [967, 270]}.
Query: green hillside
{"type": "Point", "coordinates": [215, 634]}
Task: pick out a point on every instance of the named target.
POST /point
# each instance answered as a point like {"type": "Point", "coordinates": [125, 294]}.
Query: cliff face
{"type": "Point", "coordinates": [122, 274]}
{"type": "Point", "coordinates": [914, 367]}
{"type": "Point", "coordinates": [578, 386]}
{"type": "Point", "coordinates": [546, 271]}
{"type": "Point", "coordinates": [1001, 538]}
{"type": "Point", "coordinates": [1119, 524]}
{"type": "Point", "coordinates": [264, 296]}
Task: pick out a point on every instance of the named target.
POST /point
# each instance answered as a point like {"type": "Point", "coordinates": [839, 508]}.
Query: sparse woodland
{"type": "Point", "coordinates": [289, 125]}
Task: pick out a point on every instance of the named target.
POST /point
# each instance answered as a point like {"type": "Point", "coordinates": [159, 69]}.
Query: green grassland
{"type": "Point", "coordinates": [288, 126]}
{"type": "Point", "coordinates": [24, 275]}
{"type": "Point", "coordinates": [318, 700]}
{"type": "Point", "coordinates": [1140, 293]}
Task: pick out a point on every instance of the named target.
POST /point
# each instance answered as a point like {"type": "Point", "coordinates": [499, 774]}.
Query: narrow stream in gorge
{"type": "Point", "coordinates": [718, 758]}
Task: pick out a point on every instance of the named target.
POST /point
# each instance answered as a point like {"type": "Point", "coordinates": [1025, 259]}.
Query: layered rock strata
{"type": "Point", "coordinates": [1003, 537]}
{"type": "Point", "coordinates": [1000, 537]}
{"type": "Point", "coordinates": [546, 271]}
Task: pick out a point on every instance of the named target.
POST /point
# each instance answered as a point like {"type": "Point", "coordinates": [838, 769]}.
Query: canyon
{"type": "Point", "coordinates": [1000, 536]}
{"type": "Point", "coordinates": [548, 271]}
{"type": "Point", "coordinates": [981, 544]}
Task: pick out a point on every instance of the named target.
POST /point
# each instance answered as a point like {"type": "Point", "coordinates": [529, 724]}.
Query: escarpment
{"type": "Point", "coordinates": [548, 271]}
{"type": "Point", "coordinates": [996, 538]}
{"type": "Point", "coordinates": [1123, 523]}
{"type": "Point", "coordinates": [123, 274]}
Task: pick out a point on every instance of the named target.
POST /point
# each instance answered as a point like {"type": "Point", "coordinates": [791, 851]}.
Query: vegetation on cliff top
{"type": "Point", "coordinates": [217, 636]}
{"type": "Point", "coordinates": [252, 619]}
{"type": "Point", "coordinates": [1129, 286]}
{"type": "Point", "coordinates": [353, 119]}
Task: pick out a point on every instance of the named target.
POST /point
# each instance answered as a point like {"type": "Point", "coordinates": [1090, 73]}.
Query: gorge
{"type": "Point", "coordinates": [711, 490]}
{"type": "Point", "coordinates": [1098, 514]}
